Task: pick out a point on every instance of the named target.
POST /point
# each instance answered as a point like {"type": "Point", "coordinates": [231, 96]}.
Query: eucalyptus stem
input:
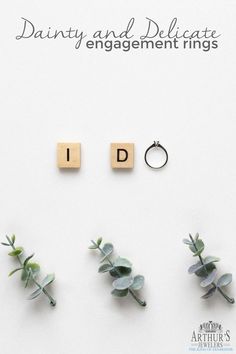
{"type": "Point", "coordinates": [117, 269]}
{"type": "Point", "coordinates": [200, 257]}
{"type": "Point", "coordinates": [52, 301]}
{"type": "Point", "coordinates": [229, 299]}
{"type": "Point", "coordinates": [139, 301]}
{"type": "Point", "coordinates": [13, 247]}
{"type": "Point", "coordinates": [30, 274]}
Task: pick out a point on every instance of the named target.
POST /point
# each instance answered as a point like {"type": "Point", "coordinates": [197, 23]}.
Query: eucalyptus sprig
{"type": "Point", "coordinates": [206, 269]}
{"type": "Point", "coordinates": [29, 271]}
{"type": "Point", "coordinates": [120, 269]}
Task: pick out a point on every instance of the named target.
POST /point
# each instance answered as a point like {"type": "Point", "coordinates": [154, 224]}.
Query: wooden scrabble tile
{"type": "Point", "coordinates": [122, 155]}
{"type": "Point", "coordinates": [68, 155]}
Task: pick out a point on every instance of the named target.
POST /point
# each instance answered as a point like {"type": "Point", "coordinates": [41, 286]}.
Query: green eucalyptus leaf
{"type": "Point", "coordinates": [107, 250]}
{"type": "Point", "coordinates": [192, 248]}
{"type": "Point", "coordinates": [122, 267]}
{"type": "Point", "coordinates": [105, 268]}
{"type": "Point", "coordinates": [123, 283]}
{"type": "Point", "coordinates": [27, 259]}
{"type": "Point", "coordinates": [24, 275]}
{"type": "Point", "coordinates": [120, 293]}
{"type": "Point", "coordinates": [209, 293]}
{"type": "Point", "coordinates": [195, 267]}
{"type": "Point", "coordinates": [200, 247]}
{"type": "Point", "coordinates": [196, 237]}
{"type": "Point", "coordinates": [122, 262]}
{"type": "Point", "coordinates": [8, 239]}
{"type": "Point", "coordinates": [5, 244]}
{"type": "Point", "coordinates": [187, 242]}
{"type": "Point", "coordinates": [203, 272]}
{"type": "Point", "coordinates": [199, 252]}
{"type": "Point", "coordinates": [14, 271]}
{"type": "Point", "coordinates": [138, 282]}
{"type": "Point", "coordinates": [118, 272]}
{"type": "Point", "coordinates": [34, 267]}
{"type": "Point", "coordinates": [224, 280]}
{"type": "Point", "coordinates": [99, 241]}
{"type": "Point", "coordinates": [114, 273]}
{"type": "Point", "coordinates": [197, 246]}
{"type": "Point", "coordinates": [30, 268]}
{"type": "Point", "coordinates": [17, 252]}
{"type": "Point", "coordinates": [35, 294]}
{"type": "Point", "coordinates": [13, 238]}
{"type": "Point", "coordinates": [29, 275]}
{"type": "Point", "coordinates": [48, 280]}
{"type": "Point", "coordinates": [199, 266]}
{"type": "Point", "coordinates": [94, 246]}
{"type": "Point", "coordinates": [209, 279]}
{"type": "Point", "coordinates": [210, 259]}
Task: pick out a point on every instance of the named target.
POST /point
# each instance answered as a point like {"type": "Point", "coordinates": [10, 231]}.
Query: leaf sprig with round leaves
{"type": "Point", "coordinates": [205, 268]}
{"type": "Point", "coordinates": [29, 271]}
{"type": "Point", "coordinates": [120, 269]}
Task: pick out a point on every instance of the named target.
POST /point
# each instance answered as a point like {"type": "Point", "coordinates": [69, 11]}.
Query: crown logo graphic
{"type": "Point", "coordinates": [210, 327]}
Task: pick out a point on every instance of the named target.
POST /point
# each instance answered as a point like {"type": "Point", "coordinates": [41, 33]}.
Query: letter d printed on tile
{"type": "Point", "coordinates": [122, 155]}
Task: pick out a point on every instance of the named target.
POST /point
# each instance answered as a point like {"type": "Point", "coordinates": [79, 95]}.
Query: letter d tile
{"type": "Point", "coordinates": [122, 155]}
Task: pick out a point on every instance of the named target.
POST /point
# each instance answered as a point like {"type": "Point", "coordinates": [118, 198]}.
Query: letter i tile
{"type": "Point", "coordinates": [68, 155]}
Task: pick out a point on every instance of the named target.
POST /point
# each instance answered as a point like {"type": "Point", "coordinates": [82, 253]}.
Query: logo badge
{"type": "Point", "coordinates": [210, 336]}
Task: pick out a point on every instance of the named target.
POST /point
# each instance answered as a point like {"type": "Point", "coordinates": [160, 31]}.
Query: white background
{"type": "Point", "coordinates": [52, 93]}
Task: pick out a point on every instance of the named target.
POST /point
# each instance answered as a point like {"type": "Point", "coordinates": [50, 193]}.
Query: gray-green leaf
{"type": "Point", "coordinates": [204, 271]}
{"type": "Point", "coordinates": [195, 267]}
{"type": "Point", "coordinates": [29, 276]}
{"type": "Point", "coordinates": [138, 282]}
{"type": "Point", "coordinates": [107, 250]}
{"type": "Point", "coordinates": [198, 266]}
{"type": "Point", "coordinates": [99, 241]}
{"type": "Point", "coordinates": [209, 279]}
{"type": "Point", "coordinates": [123, 283]}
{"type": "Point", "coordinates": [105, 268]}
{"type": "Point", "coordinates": [122, 262]}
{"type": "Point", "coordinates": [94, 246]}
{"type": "Point", "coordinates": [209, 293]}
{"type": "Point", "coordinates": [13, 238]}
{"type": "Point", "coordinates": [48, 280]}
{"type": "Point", "coordinates": [119, 293]}
{"type": "Point", "coordinates": [24, 275]}
{"type": "Point", "coordinates": [34, 267]}
{"type": "Point", "coordinates": [200, 247]}
{"type": "Point", "coordinates": [35, 294]}
{"type": "Point", "coordinates": [17, 252]}
{"type": "Point", "coordinates": [14, 271]}
{"type": "Point", "coordinates": [187, 242]}
{"type": "Point", "coordinates": [196, 237]}
{"type": "Point", "coordinates": [224, 280]}
{"type": "Point", "coordinates": [210, 259]}
{"type": "Point", "coordinates": [118, 272]}
{"type": "Point", "coordinates": [197, 247]}
{"type": "Point", "coordinates": [27, 259]}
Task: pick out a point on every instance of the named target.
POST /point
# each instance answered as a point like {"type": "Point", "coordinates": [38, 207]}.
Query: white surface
{"type": "Point", "coordinates": [50, 93]}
